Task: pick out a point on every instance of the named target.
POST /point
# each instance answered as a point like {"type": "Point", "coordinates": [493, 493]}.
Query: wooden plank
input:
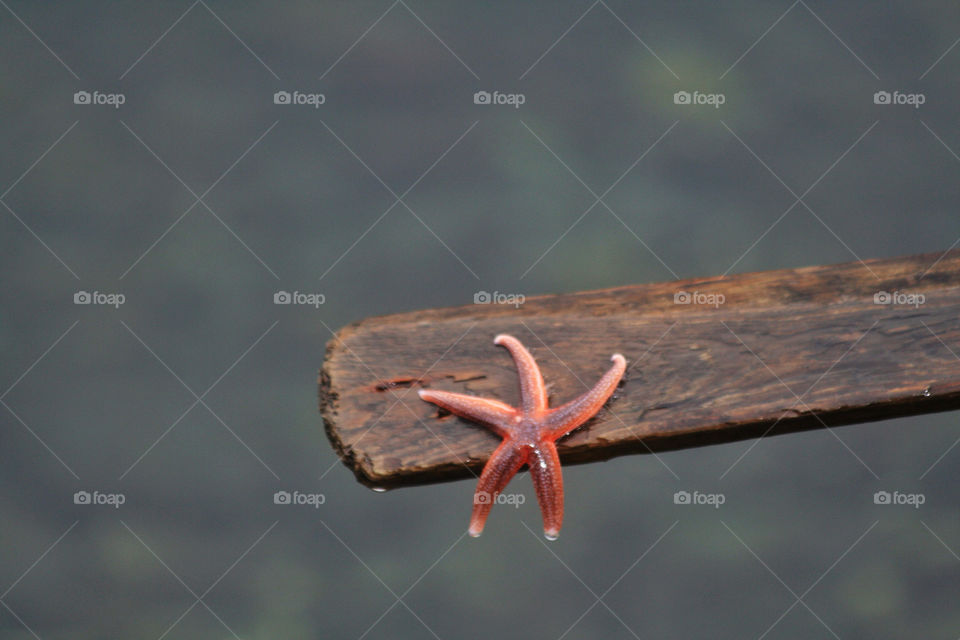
{"type": "Point", "coordinates": [698, 374]}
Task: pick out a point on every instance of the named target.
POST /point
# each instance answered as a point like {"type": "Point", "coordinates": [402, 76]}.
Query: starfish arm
{"type": "Point", "coordinates": [503, 464]}
{"type": "Point", "coordinates": [548, 483]}
{"type": "Point", "coordinates": [571, 415]}
{"type": "Point", "coordinates": [492, 413]}
{"type": "Point", "coordinates": [533, 392]}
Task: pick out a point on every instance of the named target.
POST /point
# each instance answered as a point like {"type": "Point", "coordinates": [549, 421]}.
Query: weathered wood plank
{"type": "Point", "coordinates": [698, 374]}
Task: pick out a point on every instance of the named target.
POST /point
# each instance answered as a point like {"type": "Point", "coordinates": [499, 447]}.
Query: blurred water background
{"type": "Point", "coordinates": [199, 197]}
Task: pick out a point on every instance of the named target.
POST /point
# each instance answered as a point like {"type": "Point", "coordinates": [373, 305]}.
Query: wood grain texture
{"type": "Point", "coordinates": [786, 350]}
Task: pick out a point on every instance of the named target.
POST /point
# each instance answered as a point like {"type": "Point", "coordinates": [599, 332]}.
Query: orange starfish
{"type": "Point", "coordinates": [528, 433]}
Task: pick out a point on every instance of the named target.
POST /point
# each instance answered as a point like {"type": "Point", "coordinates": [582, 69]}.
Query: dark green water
{"type": "Point", "coordinates": [199, 197]}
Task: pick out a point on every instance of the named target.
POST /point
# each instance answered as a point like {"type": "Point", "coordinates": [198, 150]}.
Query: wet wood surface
{"type": "Point", "coordinates": [709, 360]}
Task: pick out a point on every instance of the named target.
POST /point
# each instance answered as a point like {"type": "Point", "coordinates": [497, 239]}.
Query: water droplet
{"type": "Point", "coordinates": [551, 535]}
{"type": "Point", "coordinates": [379, 489]}
{"type": "Point", "coordinates": [926, 392]}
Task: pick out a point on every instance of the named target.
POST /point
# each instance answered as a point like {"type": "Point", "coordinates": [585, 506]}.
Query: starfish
{"type": "Point", "coordinates": [529, 434]}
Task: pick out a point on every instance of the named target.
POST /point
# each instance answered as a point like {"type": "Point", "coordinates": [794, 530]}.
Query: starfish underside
{"type": "Point", "coordinates": [529, 434]}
